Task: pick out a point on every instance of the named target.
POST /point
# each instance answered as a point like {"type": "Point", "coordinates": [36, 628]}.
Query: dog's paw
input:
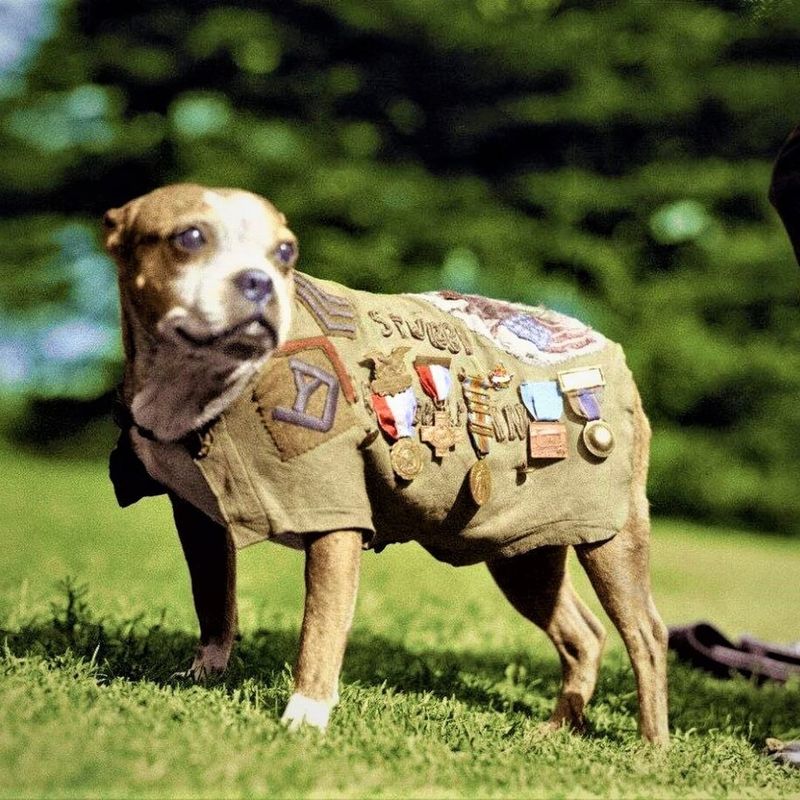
{"type": "Point", "coordinates": [302, 711]}
{"type": "Point", "coordinates": [210, 661]}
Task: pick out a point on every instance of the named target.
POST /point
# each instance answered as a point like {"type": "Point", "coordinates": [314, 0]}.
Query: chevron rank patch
{"type": "Point", "coordinates": [332, 313]}
{"type": "Point", "coordinates": [304, 396]}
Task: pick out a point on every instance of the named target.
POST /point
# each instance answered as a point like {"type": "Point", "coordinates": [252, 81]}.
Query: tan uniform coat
{"type": "Point", "coordinates": [300, 451]}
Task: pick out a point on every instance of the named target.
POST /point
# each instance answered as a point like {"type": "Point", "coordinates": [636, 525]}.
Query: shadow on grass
{"type": "Point", "coordinates": [506, 681]}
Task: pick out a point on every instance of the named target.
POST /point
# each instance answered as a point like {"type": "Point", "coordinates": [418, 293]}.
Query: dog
{"type": "Point", "coordinates": [269, 404]}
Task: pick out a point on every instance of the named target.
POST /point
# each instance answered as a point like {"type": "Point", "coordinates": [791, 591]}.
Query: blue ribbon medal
{"type": "Point", "coordinates": [547, 436]}
{"type": "Point", "coordinates": [583, 388]}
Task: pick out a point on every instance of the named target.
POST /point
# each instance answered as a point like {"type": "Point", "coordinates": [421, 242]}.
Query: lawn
{"type": "Point", "coordinates": [444, 686]}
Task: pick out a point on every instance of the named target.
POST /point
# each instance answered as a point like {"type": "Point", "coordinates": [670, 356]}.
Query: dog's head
{"type": "Point", "coordinates": [208, 270]}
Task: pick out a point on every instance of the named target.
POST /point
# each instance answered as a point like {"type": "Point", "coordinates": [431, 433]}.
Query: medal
{"type": "Point", "coordinates": [480, 482]}
{"type": "Point", "coordinates": [547, 436]}
{"type": "Point", "coordinates": [395, 413]}
{"type": "Point", "coordinates": [479, 418]}
{"type": "Point", "coordinates": [547, 440]}
{"type": "Point", "coordinates": [436, 382]}
{"type": "Point", "coordinates": [500, 377]}
{"type": "Point", "coordinates": [442, 436]}
{"type": "Point", "coordinates": [406, 458]}
{"type": "Point", "coordinates": [598, 438]}
{"type": "Point", "coordinates": [583, 388]}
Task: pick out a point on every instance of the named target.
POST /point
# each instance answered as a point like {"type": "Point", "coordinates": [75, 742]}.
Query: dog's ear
{"type": "Point", "coordinates": [115, 225]}
{"type": "Point", "coordinates": [784, 190]}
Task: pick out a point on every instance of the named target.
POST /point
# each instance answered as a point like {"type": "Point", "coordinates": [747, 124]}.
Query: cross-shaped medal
{"type": "Point", "coordinates": [442, 436]}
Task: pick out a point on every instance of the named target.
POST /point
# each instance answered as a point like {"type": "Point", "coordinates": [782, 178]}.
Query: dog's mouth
{"type": "Point", "coordinates": [242, 340]}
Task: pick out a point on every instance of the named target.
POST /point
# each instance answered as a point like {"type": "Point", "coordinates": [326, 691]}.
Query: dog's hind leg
{"type": "Point", "coordinates": [538, 585]}
{"type": "Point", "coordinates": [619, 570]}
{"type": "Point", "coordinates": [211, 557]}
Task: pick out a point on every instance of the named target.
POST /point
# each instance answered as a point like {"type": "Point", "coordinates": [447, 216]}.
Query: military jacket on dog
{"type": "Point", "coordinates": [302, 449]}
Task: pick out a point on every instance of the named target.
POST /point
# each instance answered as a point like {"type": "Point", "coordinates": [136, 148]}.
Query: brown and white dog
{"type": "Point", "coordinates": [207, 295]}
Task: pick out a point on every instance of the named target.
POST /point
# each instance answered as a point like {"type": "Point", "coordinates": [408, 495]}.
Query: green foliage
{"type": "Point", "coordinates": [607, 159]}
{"type": "Point", "coordinates": [444, 686]}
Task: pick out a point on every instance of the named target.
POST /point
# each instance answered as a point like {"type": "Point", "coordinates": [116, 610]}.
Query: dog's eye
{"type": "Point", "coordinates": [191, 239]}
{"type": "Point", "coordinates": [285, 252]}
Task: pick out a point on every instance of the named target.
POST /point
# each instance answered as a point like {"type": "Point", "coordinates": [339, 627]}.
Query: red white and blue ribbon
{"type": "Point", "coordinates": [434, 377]}
{"type": "Point", "coordinates": [396, 412]}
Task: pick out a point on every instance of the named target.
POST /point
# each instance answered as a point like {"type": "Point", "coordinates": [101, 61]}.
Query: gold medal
{"type": "Point", "coordinates": [406, 458]}
{"type": "Point", "coordinates": [480, 482]}
{"type": "Point", "coordinates": [598, 438]}
{"type": "Point", "coordinates": [548, 440]}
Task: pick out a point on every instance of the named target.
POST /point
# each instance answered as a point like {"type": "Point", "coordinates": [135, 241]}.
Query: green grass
{"type": "Point", "coordinates": [444, 685]}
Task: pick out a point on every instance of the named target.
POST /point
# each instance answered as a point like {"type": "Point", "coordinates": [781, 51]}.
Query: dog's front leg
{"type": "Point", "coordinates": [211, 557]}
{"type": "Point", "coordinates": [332, 569]}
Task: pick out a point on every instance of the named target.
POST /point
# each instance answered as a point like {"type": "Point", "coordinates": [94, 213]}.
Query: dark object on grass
{"type": "Point", "coordinates": [784, 190]}
{"type": "Point", "coordinates": [787, 753]}
{"type": "Point", "coordinates": [782, 652]}
{"type": "Point", "coordinates": [703, 646]}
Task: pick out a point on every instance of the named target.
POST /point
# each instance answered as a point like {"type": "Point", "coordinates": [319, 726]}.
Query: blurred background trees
{"type": "Point", "coordinates": [609, 159]}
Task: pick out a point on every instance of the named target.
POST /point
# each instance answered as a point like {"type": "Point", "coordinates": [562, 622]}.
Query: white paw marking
{"type": "Point", "coordinates": [302, 710]}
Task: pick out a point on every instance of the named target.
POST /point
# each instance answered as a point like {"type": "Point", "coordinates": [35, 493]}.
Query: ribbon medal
{"type": "Point", "coordinates": [479, 417]}
{"type": "Point", "coordinates": [479, 424]}
{"type": "Point", "coordinates": [395, 406]}
{"type": "Point", "coordinates": [436, 382]}
{"type": "Point", "coordinates": [583, 388]}
{"type": "Point", "coordinates": [547, 436]}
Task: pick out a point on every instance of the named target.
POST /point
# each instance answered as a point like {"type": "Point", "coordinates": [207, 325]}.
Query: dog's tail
{"type": "Point", "coordinates": [784, 190]}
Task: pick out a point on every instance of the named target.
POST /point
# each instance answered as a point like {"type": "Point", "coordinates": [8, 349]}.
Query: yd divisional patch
{"type": "Point", "coordinates": [304, 396]}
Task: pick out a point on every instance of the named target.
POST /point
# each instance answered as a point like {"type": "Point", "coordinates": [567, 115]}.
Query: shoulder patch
{"type": "Point", "coordinates": [334, 314]}
{"type": "Point", "coordinates": [303, 396]}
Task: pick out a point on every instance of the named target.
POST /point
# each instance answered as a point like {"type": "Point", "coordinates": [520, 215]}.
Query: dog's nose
{"type": "Point", "coordinates": [254, 284]}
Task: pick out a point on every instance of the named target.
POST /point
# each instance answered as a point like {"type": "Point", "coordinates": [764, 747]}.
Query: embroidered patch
{"type": "Point", "coordinates": [332, 313]}
{"type": "Point", "coordinates": [534, 335]}
{"type": "Point", "coordinates": [308, 379]}
{"type": "Point", "coordinates": [321, 343]}
{"type": "Point", "coordinates": [301, 396]}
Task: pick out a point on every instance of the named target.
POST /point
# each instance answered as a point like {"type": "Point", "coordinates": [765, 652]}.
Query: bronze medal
{"type": "Point", "coordinates": [598, 438]}
{"type": "Point", "coordinates": [480, 482]}
{"type": "Point", "coordinates": [406, 458]}
{"type": "Point", "coordinates": [548, 440]}
{"type": "Point", "coordinates": [442, 436]}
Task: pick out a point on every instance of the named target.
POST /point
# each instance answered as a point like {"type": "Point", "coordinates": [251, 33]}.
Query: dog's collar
{"type": "Point", "coordinates": [194, 441]}
{"type": "Point", "coordinates": [124, 420]}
